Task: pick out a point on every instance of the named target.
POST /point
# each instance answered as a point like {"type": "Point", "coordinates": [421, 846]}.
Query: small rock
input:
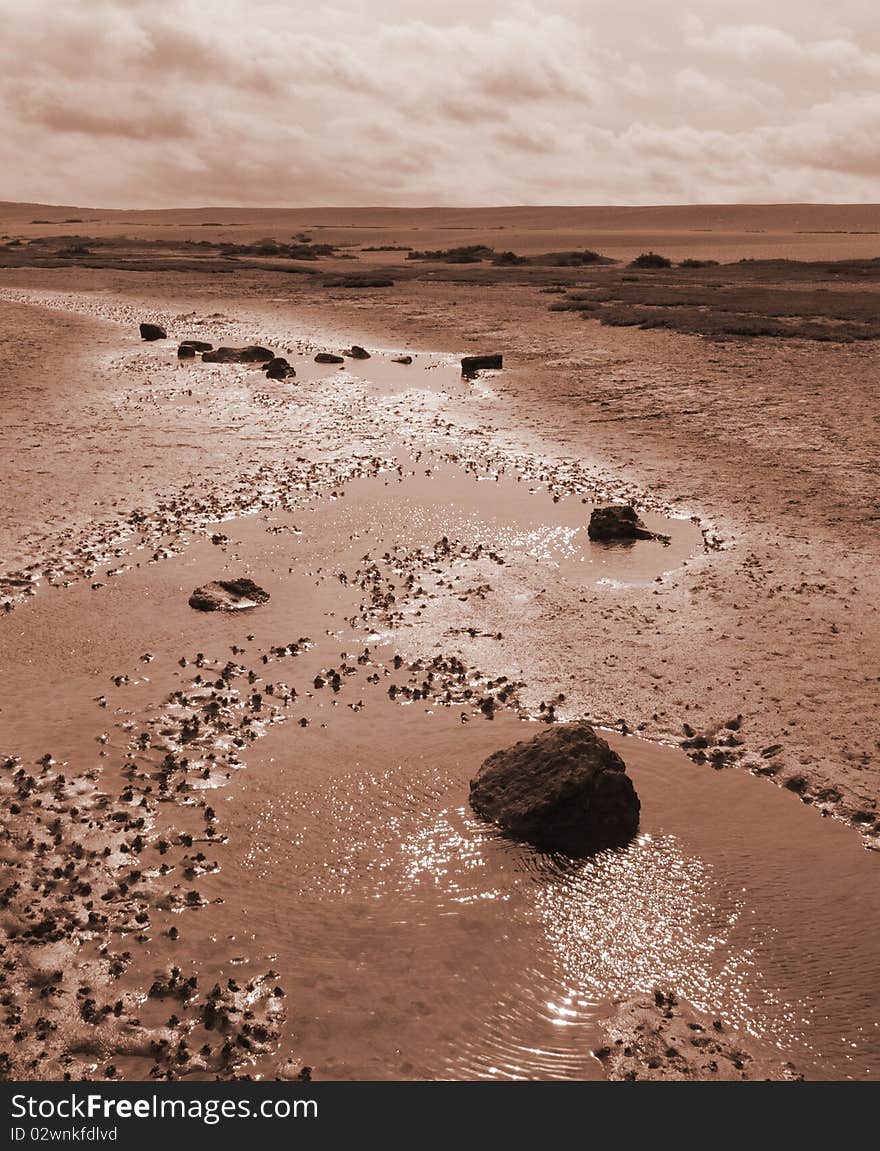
{"type": "Point", "coordinates": [356, 352]}
{"type": "Point", "coordinates": [228, 595]}
{"type": "Point", "coordinates": [620, 522]}
{"type": "Point", "coordinates": [153, 332]}
{"type": "Point", "coordinates": [401, 359]}
{"type": "Point", "coordinates": [279, 369]}
{"type": "Point", "coordinates": [470, 365]}
{"type": "Point", "coordinates": [328, 358]}
{"type": "Point", "coordinates": [191, 347]}
{"type": "Point", "coordinates": [252, 354]}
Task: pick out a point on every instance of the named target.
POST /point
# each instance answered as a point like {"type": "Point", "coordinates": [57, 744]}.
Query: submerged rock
{"type": "Point", "coordinates": [328, 358]}
{"type": "Point", "coordinates": [470, 365]}
{"type": "Point", "coordinates": [279, 369]}
{"type": "Point", "coordinates": [619, 523]}
{"type": "Point", "coordinates": [153, 332]}
{"type": "Point", "coordinates": [253, 354]}
{"type": "Point", "coordinates": [228, 595]}
{"type": "Point", "coordinates": [356, 352]}
{"type": "Point", "coordinates": [564, 790]}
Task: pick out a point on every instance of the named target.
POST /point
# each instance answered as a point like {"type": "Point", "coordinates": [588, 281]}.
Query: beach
{"type": "Point", "coordinates": [273, 803]}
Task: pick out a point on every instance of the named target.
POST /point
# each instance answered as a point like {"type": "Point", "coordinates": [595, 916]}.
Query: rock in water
{"type": "Point", "coordinates": [196, 345]}
{"type": "Point", "coordinates": [153, 332]}
{"type": "Point", "coordinates": [253, 354]}
{"type": "Point", "coordinates": [279, 369]}
{"type": "Point", "coordinates": [401, 359]}
{"type": "Point", "coordinates": [470, 365]}
{"type": "Point", "coordinates": [564, 790]}
{"type": "Point", "coordinates": [356, 352]}
{"type": "Point", "coordinates": [328, 358]}
{"type": "Point", "coordinates": [619, 523]}
{"type": "Point", "coordinates": [228, 595]}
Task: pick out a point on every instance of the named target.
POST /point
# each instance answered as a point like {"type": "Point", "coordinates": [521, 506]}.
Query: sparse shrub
{"type": "Point", "coordinates": [576, 259]}
{"type": "Point", "coordinates": [509, 259]}
{"type": "Point", "coordinates": [651, 260]}
{"type": "Point", "coordinates": [691, 263]}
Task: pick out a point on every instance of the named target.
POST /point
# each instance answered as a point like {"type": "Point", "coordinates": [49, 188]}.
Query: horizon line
{"type": "Point", "coordinates": [445, 207]}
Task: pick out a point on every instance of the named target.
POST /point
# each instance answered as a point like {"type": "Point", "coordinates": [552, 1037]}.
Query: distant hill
{"type": "Point", "coordinates": [736, 217]}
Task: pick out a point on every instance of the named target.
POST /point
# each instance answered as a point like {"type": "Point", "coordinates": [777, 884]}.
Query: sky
{"type": "Point", "coordinates": [162, 103]}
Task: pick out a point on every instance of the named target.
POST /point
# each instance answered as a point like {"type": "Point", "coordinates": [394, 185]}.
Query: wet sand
{"type": "Point", "coordinates": [313, 822]}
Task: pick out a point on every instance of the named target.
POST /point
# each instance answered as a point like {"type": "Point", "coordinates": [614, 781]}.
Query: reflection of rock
{"type": "Point", "coordinates": [253, 354]}
{"type": "Point", "coordinates": [328, 358]}
{"type": "Point", "coordinates": [564, 790]}
{"type": "Point", "coordinates": [619, 523]}
{"type": "Point", "coordinates": [401, 359]}
{"type": "Point", "coordinates": [356, 352]}
{"type": "Point", "coordinates": [279, 369]}
{"type": "Point", "coordinates": [153, 332]}
{"type": "Point", "coordinates": [470, 365]}
{"type": "Point", "coordinates": [228, 595]}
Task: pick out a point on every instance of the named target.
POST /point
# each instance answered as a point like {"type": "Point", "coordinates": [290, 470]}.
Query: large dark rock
{"type": "Point", "coordinates": [356, 352]}
{"type": "Point", "coordinates": [565, 790]}
{"type": "Point", "coordinates": [197, 345]}
{"type": "Point", "coordinates": [153, 332]}
{"type": "Point", "coordinates": [470, 365]}
{"type": "Point", "coordinates": [328, 358]}
{"type": "Point", "coordinates": [228, 595]}
{"type": "Point", "coordinates": [253, 354]}
{"type": "Point", "coordinates": [611, 524]}
{"type": "Point", "coordinates": [279, 369]}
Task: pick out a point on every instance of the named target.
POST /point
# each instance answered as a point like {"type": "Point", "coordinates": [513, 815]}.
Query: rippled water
{"type": "Point", "coordinates": [428, 945]}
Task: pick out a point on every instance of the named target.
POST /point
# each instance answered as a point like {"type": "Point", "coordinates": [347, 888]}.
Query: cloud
{"type": "Point", "coordinates": [124, 102]}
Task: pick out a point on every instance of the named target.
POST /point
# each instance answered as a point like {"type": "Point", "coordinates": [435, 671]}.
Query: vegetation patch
{"type": "Point", "coordinates": [651, 260]}
{"type": "Point", "coordinates": [470, 254]}
{"type": "Point", "coordinates": [749, 299]}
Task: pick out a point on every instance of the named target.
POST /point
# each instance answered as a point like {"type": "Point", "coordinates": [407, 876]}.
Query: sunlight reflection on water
{"type": "Point", "coordinates": [556, 939]}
